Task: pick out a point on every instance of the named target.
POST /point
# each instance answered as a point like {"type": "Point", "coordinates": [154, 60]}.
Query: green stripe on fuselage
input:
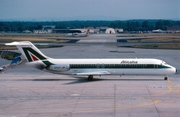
{"type": "Point", "coordinates": [117, 66]}
{"type": "Point", "coordinates": [47, 63]}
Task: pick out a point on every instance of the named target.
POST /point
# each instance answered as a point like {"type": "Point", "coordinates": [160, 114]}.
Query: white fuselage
{"type": "Point", "coordinates": [112, 67]}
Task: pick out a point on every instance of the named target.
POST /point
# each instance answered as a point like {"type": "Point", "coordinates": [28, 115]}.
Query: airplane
{"type": "Point", "coordinates": [93, 67]}
{"type": "Point", "coordinates": [1, 68]}
{"type": "Point", "coordinates": [79, 34]}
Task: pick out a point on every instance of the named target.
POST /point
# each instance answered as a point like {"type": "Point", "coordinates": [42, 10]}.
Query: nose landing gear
{"type": "Point", "coordinates": [90, 77]}
{"type": "Point", "coordinates": [165, 78]}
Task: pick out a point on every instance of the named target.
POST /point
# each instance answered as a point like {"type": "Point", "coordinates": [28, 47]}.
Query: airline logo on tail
{"type": "Point", "coordinates": [32, 55]}
{"type": "Point", "coordinates": [87, 33]}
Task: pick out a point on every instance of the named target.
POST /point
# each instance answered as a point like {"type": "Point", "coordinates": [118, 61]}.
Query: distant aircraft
{"type": "Point", "coordinates": [92, 67]}
{"type": "Point", "coordinates": [79, 34]}
{"type": "Point", "coordinates": [158, 31]}
{"type": "Point", "coordinates": [1, 68]}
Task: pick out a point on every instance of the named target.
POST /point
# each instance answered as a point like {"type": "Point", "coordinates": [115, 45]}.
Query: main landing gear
{"type": "Point", "coordinates": [165, 78]}
{"type": "Point", "coordinates": [90, 77]}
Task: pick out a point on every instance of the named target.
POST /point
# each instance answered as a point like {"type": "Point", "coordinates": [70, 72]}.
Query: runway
{"type": "Point", "coordinates": [27, 92]}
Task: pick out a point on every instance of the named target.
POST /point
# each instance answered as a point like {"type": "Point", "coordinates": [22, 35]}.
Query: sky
{"type": "Point", "coordinates": [66, 10]}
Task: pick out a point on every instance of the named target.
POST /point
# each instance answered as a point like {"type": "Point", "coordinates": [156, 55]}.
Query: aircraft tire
{"type": "Point", "coordinates": [165, 78]}
{"type": "Point", "coordinates": [90, 78]}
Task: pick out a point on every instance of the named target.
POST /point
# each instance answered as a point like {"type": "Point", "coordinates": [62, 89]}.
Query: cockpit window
{"type": "Point", "coordinates": [163, 62]}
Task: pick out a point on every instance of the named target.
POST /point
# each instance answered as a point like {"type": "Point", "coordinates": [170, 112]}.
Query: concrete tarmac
{"type": "Point", "coordinates": [27, 92]}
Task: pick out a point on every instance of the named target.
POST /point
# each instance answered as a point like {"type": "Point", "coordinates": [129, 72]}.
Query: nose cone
{"type": "Point", "coordinates": [175, 70]}
{"type": "Point", "coordinates": [172, 70]}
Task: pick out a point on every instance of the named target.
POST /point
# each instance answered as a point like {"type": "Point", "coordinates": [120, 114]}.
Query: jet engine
{"type": "Point", "coordinates": [60, 67]}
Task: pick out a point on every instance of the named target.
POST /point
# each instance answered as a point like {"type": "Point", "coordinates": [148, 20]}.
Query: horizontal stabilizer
{"type": "Point", "coordinates": [19, 43]}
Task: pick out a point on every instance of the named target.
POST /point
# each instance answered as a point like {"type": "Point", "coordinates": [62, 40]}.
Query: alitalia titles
{"type": "Point", "coordinates": [129, 62]}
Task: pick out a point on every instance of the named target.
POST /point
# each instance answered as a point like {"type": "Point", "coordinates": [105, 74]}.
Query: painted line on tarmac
{"type": "Point", "coordinates": [169, 90]}
{"type": "Point", "coordinates": [174, 86]}
{"type": "Point", "coordinates": [118, 107]}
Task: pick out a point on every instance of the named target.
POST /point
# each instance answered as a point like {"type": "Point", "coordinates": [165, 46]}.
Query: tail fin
{"type": "Point", "coordinates": [30, 52]}
{"type": "Point", "coordinates": [87, 33]}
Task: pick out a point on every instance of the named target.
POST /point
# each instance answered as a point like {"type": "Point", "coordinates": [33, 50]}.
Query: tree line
{"type": "Point", "coordinates": [128, 25]}
{"type": "Point", "coordinates": [145, 25]}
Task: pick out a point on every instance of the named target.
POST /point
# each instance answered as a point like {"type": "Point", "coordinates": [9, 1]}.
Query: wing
{"type": "Point", "coordinates": [93, 73]}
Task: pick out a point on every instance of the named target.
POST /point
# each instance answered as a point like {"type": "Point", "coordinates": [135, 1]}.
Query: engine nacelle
{"type": "Point", "coordinates": [60, 67]}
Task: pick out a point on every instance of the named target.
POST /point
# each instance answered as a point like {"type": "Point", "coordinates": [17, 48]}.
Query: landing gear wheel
{"type": "Point", "coordinates": [90, 78]}
{"type": "Point", "coordinates": [165, 78]}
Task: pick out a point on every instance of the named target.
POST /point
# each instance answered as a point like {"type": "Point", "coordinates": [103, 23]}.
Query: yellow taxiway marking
{"type": "Point", "coordinates": [169, 90]}
{"type": "Point", "coordinates": [118, 107]}
{"type": "Point", "coordinates": [174, 86]}
{"type": "Point", "coordinates": [80, 110]}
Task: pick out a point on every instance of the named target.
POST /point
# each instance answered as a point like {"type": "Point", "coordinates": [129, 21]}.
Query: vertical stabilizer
{"type": "Point", "coordinates": [87, 33]}
{"type": "Point", "coordinates": [30, 52]}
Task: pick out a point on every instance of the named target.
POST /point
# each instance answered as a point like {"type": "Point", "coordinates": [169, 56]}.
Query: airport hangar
{"type": "Point", "coordinates": [27, 92]}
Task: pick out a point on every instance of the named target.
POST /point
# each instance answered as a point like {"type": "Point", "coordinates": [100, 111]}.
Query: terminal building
{"type": "Point", "coordinates": [66, 31]}
{"type": "Point", "coordinates": [52, 29]}
{"type": "Point", "coordinates": [108, 30]}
